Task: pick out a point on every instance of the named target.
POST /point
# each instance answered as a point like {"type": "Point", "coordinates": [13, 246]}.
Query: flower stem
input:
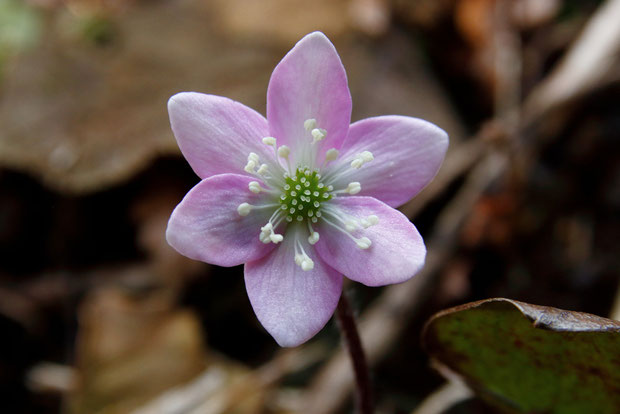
{"type": "Point", "coordinates": [356, 352]}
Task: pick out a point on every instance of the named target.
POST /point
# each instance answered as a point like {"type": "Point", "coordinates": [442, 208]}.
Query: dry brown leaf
{"type": "Point", "coordinates": [82, 117]}
{"type": "Point", "coordinates": [131, 349]}
{"type": "Point", "coordinates": [285, 21]}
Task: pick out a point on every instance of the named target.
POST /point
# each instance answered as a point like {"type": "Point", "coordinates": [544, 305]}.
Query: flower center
{"type": "Point", "coordinates": [303, 194]}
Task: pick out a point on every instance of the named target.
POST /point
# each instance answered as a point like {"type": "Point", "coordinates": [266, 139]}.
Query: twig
{"type": "Point", "coordinates": [459, 160]}
{"type": "Point", "coordinates": [446, 396]}
{"type": "Point", "coordinates": [584, 65]}
{"type": "Point", "coordinates": [205, 393]}
{"type": "Point", "coordinates": [615, 310]}
{"type": "Point", "coordinates": [346, 321]}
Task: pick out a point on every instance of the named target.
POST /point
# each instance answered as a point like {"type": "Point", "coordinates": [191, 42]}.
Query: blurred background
{"type": "Point", "coordinates": [99, 315]}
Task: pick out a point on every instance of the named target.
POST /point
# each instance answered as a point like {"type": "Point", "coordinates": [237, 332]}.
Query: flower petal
{"type": "Point", "coordinates": [397, 251]}
{"type": "Point", "coordinates": [216, 134]}
{"type": "Point", "coordinates": [309, 83]}
{"type": "Point", "coordinates": [407, 155]}
{"type": "Point", "coordinates": [206, 226]}
{"type": "Point", "coordinates": [292, 304]}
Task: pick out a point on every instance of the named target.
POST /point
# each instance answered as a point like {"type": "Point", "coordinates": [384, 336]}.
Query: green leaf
{"type": "Point", "coordinates": [530, 359]}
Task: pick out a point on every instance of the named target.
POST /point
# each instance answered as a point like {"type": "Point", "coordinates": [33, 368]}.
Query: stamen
{"type": "Point", "coordinates": [250, 166]}
{"type": "Point", "coordinates": [301, 258]}
{"type": "Point", "coordinates": [361, 159]}
{"type": "Point", "coordinates": [331, 155]}
{"type": "Point", "coordinates": [267, 232]}
{"type": "Point", "coordinates": [363, 243]}
{"type": "Point", "coordinates": [369, 221]}
{"type": "Point", "coordinates": [353, 188]}
{"type": "Point", "coordinates": [255, 187]}
{"type": "Point", "coordinates": [284, 151]}
{"type": "Point", "coordinates": [314, 235]}
{"type": "Point", "coordinates": [244, 209]}
{"type": "Point", "coordinates": [270, 141]}
{"type": "Point", "coordinates": [318, 134]}
{"type": "Point", "coordinates": [310, 124]}
{"type": "Point", "coordinates": [253, 161]}
{"type": "Point", "coordinates": [262, 170]}
{"type": "Point", "coordinates": [350, 226]}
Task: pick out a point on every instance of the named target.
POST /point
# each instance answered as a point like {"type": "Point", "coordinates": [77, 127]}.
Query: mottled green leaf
{"type": "Point", "coordinates": [530, 359]}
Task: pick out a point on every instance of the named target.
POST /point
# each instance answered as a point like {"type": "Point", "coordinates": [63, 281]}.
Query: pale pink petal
{"type": "Point", "coordinates": [397, 251]}
{"type": "Point", "coordinates": [309, 83]}
{"type": "Point", "coordinates": [292, 304]}
{"type": "Point", "coordinates": [407, 155]}
{"type": "Point", "coordinates": [206, 226]}
{"type": "Point", "coordinates": [216, 134]}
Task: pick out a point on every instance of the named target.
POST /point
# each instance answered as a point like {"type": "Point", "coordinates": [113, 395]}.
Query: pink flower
{"type": "Point", "coordinates": [302, 197]}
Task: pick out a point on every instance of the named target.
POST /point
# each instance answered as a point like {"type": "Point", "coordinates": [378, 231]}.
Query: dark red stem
{"type": "Point", "coordinates": [356, 352]}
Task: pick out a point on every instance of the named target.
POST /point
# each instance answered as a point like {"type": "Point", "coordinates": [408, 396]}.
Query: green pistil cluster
{"type": "Point", "coordinates": [303, 194]}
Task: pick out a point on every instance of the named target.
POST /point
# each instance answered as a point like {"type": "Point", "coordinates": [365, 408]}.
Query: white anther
{"type": "Point", "coordinates": [267, 234]}
{"type": "Point", "coordinates": [363, 243]}
{"type": "Point", "coordinates": [350, 225]}
{"type": "Point", "coordinates": [367, 156]}
{"type": "Point", "coordinates": [307, 264]}
{"type": "Point", "coordinates": [314, 237]}
{"type": "Point", "coordinates": [262, 170]}
{"type": "Point", "coordinates": [361, 159]}
{"type": "Point", "coordinates": [271, 141]}
{"type": "Point", "coordinates": [310, 124]}
{"type": "Point", "coordinates": [331, 154]}
{"type": "Point", "coordinates": [244, 209]}
{"type": "Point", "coordinates": [369, 221]}
{"type": "Point", "coordinates": [284, 151]}
{"type": "Point", "coordinates": [254, 187]}
{"type": "Point", "coordinates": [318, 134]}
{"type": "Point", "coordinates": [250, 166]}
{"type": "Point", "coordinates": [353, 188]}
{"type": "Point", "coordinates": [298, 259]}
{"type": "Point", "coordinates": [253, 157]}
